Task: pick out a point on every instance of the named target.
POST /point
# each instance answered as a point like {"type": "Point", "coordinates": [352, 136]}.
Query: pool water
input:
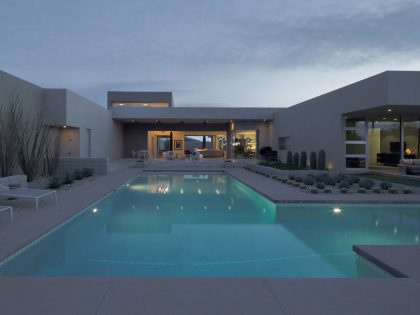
{"type": "Point", "coordinates": [211, 225]}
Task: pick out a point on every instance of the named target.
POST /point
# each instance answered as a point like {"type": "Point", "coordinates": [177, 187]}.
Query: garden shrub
{"type": "Point", "coordinates": [385, 185]}
{"type": "Point", "coordinates": [344, 184]}
{"type": "Point", "coordinates": [362, 190]}
{"type": "Point", "coordinates": [313, 191]}
{"type": "Point", "coordinates": [289, 158]}
{"type": "Point", "coordinates": [312, 161]}
{"type": "Point", "coordinates": [291, 177]}
{"type": "Point", "coordinates": [309, 180]}
{"type": "Point", "coordinates": [320, 185]}
{"type": "Point", "coordinates": [321, 160]}
{"type": "Point", "coordinates": [290, 182]}
{"type": "Point", "coordinates": [296, 159]}
{"type": "Point", "coordinates": [303, 159]}
{"type": "Point", "coordinates": [328, 190]}
{"type": "Point", "coordinates": [376, 190]}
{"type": "Point", "coordinates": [77, 175]}
{"type": "Point", "coordinates": [344, 190]}
{"type": "Point", "coordinates": [299, 179]}
{"type": "Point", "coordinates": [319, 178]}
{"type": "Point", "coordinates": [284, 180]}
{"type": "Point", "coordinates": [68, 179]}
{"type": "Point", "coordinates": [407, 191]}
{"type": "Point", "coordinates": [393, 191]}
{"type": "Point", "coordinates": [366, 183]}
{"type": "Point", "coordinates": [54, 182]}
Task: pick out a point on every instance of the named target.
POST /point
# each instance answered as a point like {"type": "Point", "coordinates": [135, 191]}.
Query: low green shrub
{"type": "Point", "coordinates": [328, 190]}
{"type": "Point", "coordinates": [407, 191]}
{"type": "Point", "coordinates": [291, 177]}
{"type": "Point", "coordinates": [284, 180]}
{"type": "Point", "coordinates": [274, 176]}
{"type": "Point", "coordinates": [87, 172]}
{"type": "Point", "coordinates": [376, 190]}
{"type": "Point", "coordinates": [353, 179]}
{"type": "Point", "coordinates": [393, 191]}
{"type": "Point", "coordinates": [344, 190]}
{"type": "Point", "coordinates": [290, 182]}
{"type": "Point", "coordinates": [303, 186]}
{"type": "Point", "coordinates": [362, 190]}
{"type": "Point", "coordinates": [77, 175]}
{"type": "Point", "coordinates": [309, 180]}
{"type": "Point", "coordinates": [344, 184]}
{"type": "Point", "coordinates": [320, 185]}
{"type": "Point", "coordinates": [54, 182]}
{"type": "Point", "coordinates": [68, 179]}
{"type": "Point", "coordinates": [366, 183]}
{"type": "Point", "coordinates": [313, 191]}
{"type": "Point", "coordinates": [385, 185]}
{"type": "Point", "coordinates": [299, 179]}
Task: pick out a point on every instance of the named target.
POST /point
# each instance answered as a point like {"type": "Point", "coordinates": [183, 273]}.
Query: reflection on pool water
{"type": "Point", "coordinates": [210, 225]}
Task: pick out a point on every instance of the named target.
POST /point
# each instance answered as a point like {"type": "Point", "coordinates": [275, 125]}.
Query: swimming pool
{"type": "Point", "coordinates": [211, 225]}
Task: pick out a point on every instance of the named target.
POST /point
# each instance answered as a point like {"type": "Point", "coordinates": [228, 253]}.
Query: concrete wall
{"type": "Point", "coordinates": [319, 123]}
{"type": "Point", "coordinates": [32, 95]}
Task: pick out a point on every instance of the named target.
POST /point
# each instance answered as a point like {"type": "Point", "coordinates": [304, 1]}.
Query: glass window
{"type": "Point", "coordinates": [355, 148]}
{"type": "Point", "coordinates": [355, 162]}
{"type": "Point", "coordinates": [411, 137]}
{"type": "Point", "coordinates": [282, 143]}
{"type": "Point", "coordinates": [198, 142]}
{"type": "Point", "coordinates": [356, 135]}
{"type": "Point", "coordinates": [355, 123]}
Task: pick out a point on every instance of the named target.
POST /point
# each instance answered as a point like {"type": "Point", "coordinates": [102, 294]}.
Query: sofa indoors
{"type": "Point", "coordinates": [409, 166]}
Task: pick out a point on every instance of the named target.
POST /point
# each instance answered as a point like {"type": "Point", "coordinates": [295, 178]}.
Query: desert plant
{"type": "Point", "coordinates": [320, 185]}
{"type": "Point", "coordinates": [68, 179]}
{"type": "Point", "coordinates": [52, 152]}
{"type": "Point", "coordinates": [321, 160]}
{"type": "Point", "coordinates": [328, 190]}
{"type": "Point", "coordinates": [296, 159]}
{"type": "Point", "coordinates": [407, 191]}
{"type": "Point", "coordinates": [291, 177]}
{"type": "Point", "coordinates": [303, 186]}
{"type": "Point", "coordinates": [312, 161]}
{"type": "Point", "coordinates": [274, 176]}
{"type": "Point", "coordinates": [77, 175]}
{"type": "Point", "coordinates": [354, 179]}
{"type": "Point", "coordinates": [296, 184]}
{"type": "Point", "coordinates": [344, 190]}
{"type": "Point", "coordinates": [303, 159]}
{"type": "Point", "coordinates": [10, 127]}
{"type": "Point", "coordinates": [385, 185]}
{"type": "Point", "coordinates": [376, 190]}
{"type": "Point", "coordinates": [366, 183]}
{"type": "Point", "coordinates": [393, 191]}
{"type": "Point", "coordinates": [319, 178]}
{"type": "Point", "coordinates": [329, 180]}
{"type": "Point", "coordinates": [362, 190]}
{"type": "Point", "coordinates": [313, 191]}
{"type": "Point", "coordinates": [284, 180]}
{"type": "Point", "coordinates": [289, 159]}
{"type": "Point", "coordinates": [54, 182]}
{"type": "Point", "coordinates": [340, 177]}
{"type": "Point", "coordinates": [290, 182]}
{"type": "Point", "coordinates": [33, 140]}
{"type": "Point", "coordinates": [299, 179]}
{"type": "Point", "coordinates": [309, 180]}
{"type": "Point", "coordinates": [344, 184]}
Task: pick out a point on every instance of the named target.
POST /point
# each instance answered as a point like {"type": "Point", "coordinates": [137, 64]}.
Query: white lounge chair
{"type": "Point", "coordinates": [7, 208]}
{"type": "Point", "coordinates": [30, 193]}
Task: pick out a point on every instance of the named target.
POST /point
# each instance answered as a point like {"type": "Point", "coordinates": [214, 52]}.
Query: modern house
{"type": "Point", "coordinates": [372, 122]}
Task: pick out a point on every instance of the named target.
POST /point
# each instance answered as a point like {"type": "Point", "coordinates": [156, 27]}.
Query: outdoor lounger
{"type": "Point", "coordinates": [7, 208]}
{"type": "Point", "coordinates": [30, 193]}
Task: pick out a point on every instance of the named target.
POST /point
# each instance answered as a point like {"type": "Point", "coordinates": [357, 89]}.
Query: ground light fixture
{"type": "Point", "coordinates": [337, 210]}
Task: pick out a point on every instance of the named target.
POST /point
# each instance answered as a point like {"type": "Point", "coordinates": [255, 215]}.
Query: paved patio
{"type": "Point", "coordinates": [133, 295]}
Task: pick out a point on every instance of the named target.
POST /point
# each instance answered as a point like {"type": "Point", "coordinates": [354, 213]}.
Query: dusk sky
{"type": "Point", "coordinates": [209, 52]}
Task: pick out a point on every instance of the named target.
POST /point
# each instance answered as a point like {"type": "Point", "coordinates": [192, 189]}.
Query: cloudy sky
{"type": "Point", "coordinates": [208, 52]}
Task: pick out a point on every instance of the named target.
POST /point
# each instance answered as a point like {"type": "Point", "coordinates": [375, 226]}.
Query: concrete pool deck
{"type": "Point", "coordinates": [134, 295]}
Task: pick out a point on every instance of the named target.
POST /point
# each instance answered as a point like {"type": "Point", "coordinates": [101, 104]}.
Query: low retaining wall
{"type": "Point", "coordinates": [275, 171]}
{"type": "Point", "coordinates": [16, 180]}
{"type": "Point", "coordinates": [100, 166]}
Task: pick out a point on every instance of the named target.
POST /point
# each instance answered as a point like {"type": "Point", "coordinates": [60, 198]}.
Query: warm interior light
{"type": "Point", "coordinates": [408, 151]}
{"type": "Point", "coordinates": [337, 210]}
{"type": "Point", "coordinates": [389, 110]}
{"type": "Point", "coordinates": [121, 104]}
{"type": "Point", "coordinates": [64, 126]}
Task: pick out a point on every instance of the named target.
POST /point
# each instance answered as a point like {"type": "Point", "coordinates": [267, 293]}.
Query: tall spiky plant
{"type": "Point", "coordinates": [34, 139]}
{"type": "Point", "coordinates": [10, 126]}
{"type": "Point", "coordinates": [52, 153]}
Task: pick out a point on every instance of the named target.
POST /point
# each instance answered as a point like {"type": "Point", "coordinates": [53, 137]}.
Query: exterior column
{"type": "Point", "coordinates": [402, 137]}
{"type": "Point", "coordinates": [229, 135]}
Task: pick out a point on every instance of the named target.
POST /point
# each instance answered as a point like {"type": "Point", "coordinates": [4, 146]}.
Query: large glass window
{"type": "Point", "coordinates": [245, 144]}
{"type": "Point", "coordinates": [384, 140]}
{"type": "Point", "coordinates": [197, 142]}
{"type": "Point", "coordinates": [411, 137]}
{"type": "Point", "coordinates": [355, 142]}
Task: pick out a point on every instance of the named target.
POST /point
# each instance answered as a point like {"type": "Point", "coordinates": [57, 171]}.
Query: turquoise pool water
{"type": "Point", "coordinates": [210, 225]}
